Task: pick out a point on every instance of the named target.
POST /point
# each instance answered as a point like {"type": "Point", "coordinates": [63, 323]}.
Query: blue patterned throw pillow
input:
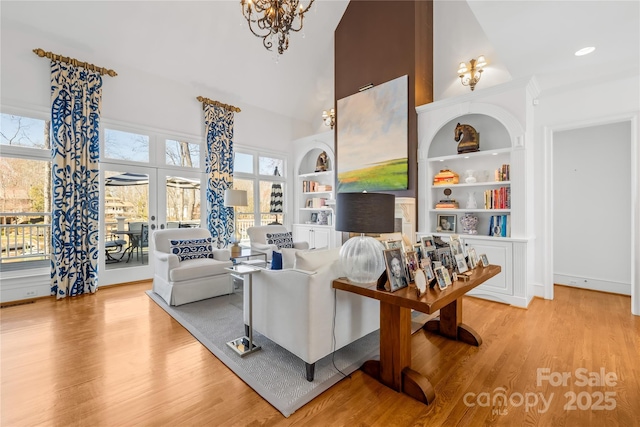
{"type": "Point", "coordinates": [281, 240]}
{"type": "Point", "coordinates": [192, 249]}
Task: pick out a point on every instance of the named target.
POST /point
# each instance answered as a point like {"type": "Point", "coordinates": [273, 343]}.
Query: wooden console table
{"type": "Point", "coordinates": [393, 369]}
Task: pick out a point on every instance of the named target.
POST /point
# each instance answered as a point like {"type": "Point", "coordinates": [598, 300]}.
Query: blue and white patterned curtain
{"type": "Point", "coordinates": [76, 96]}
{"type": "Point", "coordinates": [219, 169]}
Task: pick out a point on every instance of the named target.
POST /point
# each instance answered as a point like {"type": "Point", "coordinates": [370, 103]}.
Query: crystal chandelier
{"type": "Point", "coordinates": [269, 19]}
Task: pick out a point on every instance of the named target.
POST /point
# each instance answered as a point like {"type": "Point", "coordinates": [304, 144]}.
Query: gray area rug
{"type": "Point", "coordinates": [273, 372]}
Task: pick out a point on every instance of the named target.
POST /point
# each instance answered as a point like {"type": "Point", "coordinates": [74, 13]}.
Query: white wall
{"type": "Point", "coordinates": [136, 97]}
{"type": "Point", "coordinates": [591, 191]}
{"type": "Point", "coordinates": [573, 108]}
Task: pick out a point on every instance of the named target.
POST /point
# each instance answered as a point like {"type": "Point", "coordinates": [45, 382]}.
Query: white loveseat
{"type": "Point", "coordinates": [180, 282]}
{"type": "Point", "coordinates": [258, 239]}
{"type": "Point", "coordinates": [294, 308]}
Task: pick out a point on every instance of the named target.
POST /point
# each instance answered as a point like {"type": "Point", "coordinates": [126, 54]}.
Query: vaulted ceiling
{"type": "Point", "coordinates": [207, 45]}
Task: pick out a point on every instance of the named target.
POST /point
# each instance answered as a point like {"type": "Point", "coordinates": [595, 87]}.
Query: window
{"type": "Point", "coordinates": [126, 146]}
{"type": "Point", "coordinates": [182, 153]}
{"type": "Point", "coordinates": [25, 192]}
{"type": "Point", "coordinates": [259, 185]}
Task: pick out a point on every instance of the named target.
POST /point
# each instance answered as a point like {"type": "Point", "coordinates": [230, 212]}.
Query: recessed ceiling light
{"type": "Point", "coordinates": [585, 51]}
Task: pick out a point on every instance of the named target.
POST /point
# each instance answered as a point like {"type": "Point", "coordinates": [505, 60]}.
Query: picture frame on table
{"type": "Point", "coordinates": [412, 265]}
{"type": "Point", "coordinates": [396, 269]}
{"type": "Point", "coordinates": [442, 277]}
{"type": "Point", "coordinates": [394, 244]}
{"type": "Point", "coordinates": [472, 258]}
{"type": "Point", "coordinates": [461, 263]}
{"type": "Point", "coordinates": [455, 245]}
{"type": "Point", "coordinates": [428, 271]}
{"type": "Point", "coordinates": [484, 261]}
{"type": "Point", "coordinates": [446, 223]}
{"type": "Point", "coordinates": [428, 245]}
{"type": "Point", "coordinates": [417, 248]}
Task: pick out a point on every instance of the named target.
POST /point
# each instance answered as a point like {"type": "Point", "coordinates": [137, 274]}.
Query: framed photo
{"type": "Point", "coordinates": [473, 258]}
{"type": "Point", "coordinates": [454, 276]}
{"type": "Point", "coordinates": [396, 271]}
{"type": "Point", "coordinates": [446, 223]}
{"type": "Point", "coordinates": [394, 244]}
{"type": "Point", "coordinates": [428, 271]}
{"type": "Point", "coordinates": [461, 263]}
{"type": "Point", "coordinates": [417, 248]}
{"type": "Point", "coordinates": [484, 261]}
{"type": "Point", "coordinates": [412, 265]}
{"type": "Point", "coordinates": [314, 217]}
{"type": "Point", "coordinates": [443, 278]}
{"type": "Point", "coordinates": [428, 245]}
{"type": "Point", "coordinates": [455, 245]}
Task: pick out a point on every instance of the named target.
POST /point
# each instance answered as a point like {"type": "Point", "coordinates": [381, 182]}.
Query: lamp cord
{"type": "Point", "coordinates": [333, 353]}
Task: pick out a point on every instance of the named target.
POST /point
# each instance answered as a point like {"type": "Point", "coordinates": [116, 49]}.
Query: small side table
{"type": "Point", "coordinates": [244, 345]}
{"type": "Point", "coordinates": [247, 254]}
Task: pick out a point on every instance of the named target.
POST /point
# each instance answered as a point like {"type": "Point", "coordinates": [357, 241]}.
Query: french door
{"type": "Point", "coordinates": [134, 202]}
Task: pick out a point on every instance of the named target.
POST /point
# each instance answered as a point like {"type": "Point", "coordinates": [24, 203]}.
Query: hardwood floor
{"type": "Point", "coordinates": [116, 359]}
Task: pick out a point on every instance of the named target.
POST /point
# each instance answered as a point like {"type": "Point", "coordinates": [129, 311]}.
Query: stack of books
{"type": "Point", "coordinates": [447, 204]}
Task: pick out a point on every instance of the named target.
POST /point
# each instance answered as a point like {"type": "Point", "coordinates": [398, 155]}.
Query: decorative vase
{"type": "Point", "coordinates": [469, 223]}
{"type": "Point", "coordinates": [470, 179]}
{"type": "Point", "coordinates": [471, 201]}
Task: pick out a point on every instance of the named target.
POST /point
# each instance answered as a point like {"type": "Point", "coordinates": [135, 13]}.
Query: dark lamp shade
{"type": "Point", "coordinates": [365, 212]}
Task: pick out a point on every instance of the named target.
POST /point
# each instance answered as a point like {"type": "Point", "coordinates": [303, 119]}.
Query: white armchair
{"type": "Point", "coordinates": [294, 308]}
{"type": "Point", "coordinates": [258, 238]}
{"type": "Point", "coordinates": [180, 282]}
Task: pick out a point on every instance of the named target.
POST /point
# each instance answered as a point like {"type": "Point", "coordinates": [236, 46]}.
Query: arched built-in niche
{"type": "Point", "coordinates": [502, 141]}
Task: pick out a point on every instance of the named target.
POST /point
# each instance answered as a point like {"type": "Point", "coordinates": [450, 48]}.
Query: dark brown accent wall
{"type": "Point", "coordinates": [378, 41]}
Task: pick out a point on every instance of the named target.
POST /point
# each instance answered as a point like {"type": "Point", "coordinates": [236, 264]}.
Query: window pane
{"type": "Point", "coordinates": [24, 132]}
{"type": "Point", "coordinates": [242, 163]}
{"type": "Point", "coordinates": [268, 166]}
{"type": "Point", "coordinates": [182, 153]}
{"type": "Point", "coordinates": [183, 202]}
{"type": "Point", "coordinates": [126, 146]}
{"type": "Point", "coordinates": [126, 210]}
{"type": "Point", "coordinates": [25, 206]}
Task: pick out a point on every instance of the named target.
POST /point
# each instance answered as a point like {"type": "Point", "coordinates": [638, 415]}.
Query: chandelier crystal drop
{"type": "Point", "coordinates": [271, 20]}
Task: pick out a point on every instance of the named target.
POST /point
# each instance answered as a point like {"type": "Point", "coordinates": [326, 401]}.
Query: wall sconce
{"type": "Point", "coordinates": [329, 117]}
{"type": "Point", "coordinates": [470, 75]}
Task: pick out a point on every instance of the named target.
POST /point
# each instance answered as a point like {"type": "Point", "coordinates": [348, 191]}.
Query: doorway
{"type": "Point", "coordinates": [591, 207]}
{"type": "Point", "coordinates": [136, 201]}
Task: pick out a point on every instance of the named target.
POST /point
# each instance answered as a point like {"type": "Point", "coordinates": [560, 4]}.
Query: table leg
{"type": "Point", "coordinates": [450, 325]}
{"type": "Point", "coordinates": [395, 356]}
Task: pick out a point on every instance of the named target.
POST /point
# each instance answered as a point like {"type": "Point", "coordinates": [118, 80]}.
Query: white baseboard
{"type": "Point", "coordinates": [20, 285]}
{"type": "Point", "coordinates": [592, 284]}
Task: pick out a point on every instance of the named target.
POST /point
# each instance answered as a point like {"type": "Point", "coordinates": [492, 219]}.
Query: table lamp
{"type": "Point", "coordinates": [362, 256]}
{"type": "Point", "coordinates": [233, 198]}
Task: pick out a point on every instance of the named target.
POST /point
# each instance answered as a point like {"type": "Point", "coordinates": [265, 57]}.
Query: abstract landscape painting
{"type": "Point", "coordinates": [372, 141]}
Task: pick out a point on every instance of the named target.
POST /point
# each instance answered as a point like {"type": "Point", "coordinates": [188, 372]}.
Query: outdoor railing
{"type": "Point", "coordinates": [29, 240]}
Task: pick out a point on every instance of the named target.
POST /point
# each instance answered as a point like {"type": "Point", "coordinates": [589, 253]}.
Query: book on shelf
{"type": "Point", "coordinates": [503, 173]}
{"type": "Point", "coordinates": [498, 198]}
{"type": "Point", "coordinates": [314, 186]}
{"type": "Point", "coordinates": [500, 225]}
{"type": "Point", "coordinates": [447, 204]}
